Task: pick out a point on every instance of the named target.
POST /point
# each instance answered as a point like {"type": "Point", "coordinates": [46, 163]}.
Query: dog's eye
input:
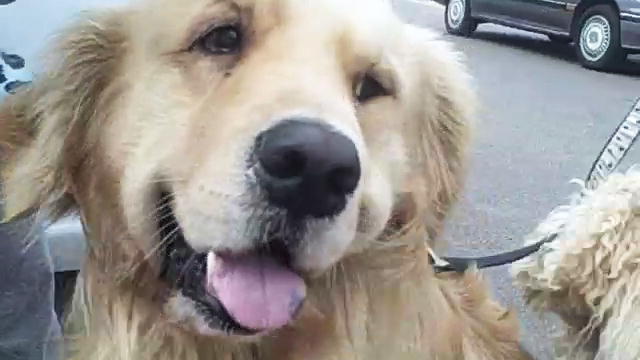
{"type": "Point", "coordinates": [221, 40]}
{"type": "Point", "coordinates": [369, 88]}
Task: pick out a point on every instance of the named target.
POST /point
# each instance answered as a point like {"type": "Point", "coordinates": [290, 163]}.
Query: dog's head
{"type": "Point", "coordinates": [242, 147]}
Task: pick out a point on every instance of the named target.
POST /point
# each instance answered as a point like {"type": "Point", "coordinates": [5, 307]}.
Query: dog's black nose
{"type": "Point", "coordinates": [307, 168]}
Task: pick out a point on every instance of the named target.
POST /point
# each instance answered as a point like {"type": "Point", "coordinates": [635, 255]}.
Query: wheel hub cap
{"type": "Point", "coordinates": [456, 12]}
{"type": "Point", "coordinates": [595, 38]}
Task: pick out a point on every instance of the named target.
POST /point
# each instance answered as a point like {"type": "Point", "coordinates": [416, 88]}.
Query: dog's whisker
{"type": "Point", "coordinates": [166, 226]}
{"type": "Point", "coordinates": [160, 205]}
{"type": "Point", "coordinates": [165, 180]}
{"type": "Point", "coordinates": [153, 250]}
{"type": "Point", "coordinates": [164, 240]}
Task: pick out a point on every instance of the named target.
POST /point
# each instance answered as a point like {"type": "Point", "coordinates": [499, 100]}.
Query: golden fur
{"type": "Point", "coordinates": [589, 274]}
{"type": "Point", "coordinates": [121, 96]}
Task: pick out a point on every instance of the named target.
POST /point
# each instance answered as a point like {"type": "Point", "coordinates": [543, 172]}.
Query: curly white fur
{"type": "Point", "coordinates": [589, 274]}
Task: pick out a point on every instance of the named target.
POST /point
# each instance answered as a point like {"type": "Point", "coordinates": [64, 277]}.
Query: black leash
{"type": "Point", "coordinates": [609, 158]}
{"type": "Point", "coordinates": [461, 264]}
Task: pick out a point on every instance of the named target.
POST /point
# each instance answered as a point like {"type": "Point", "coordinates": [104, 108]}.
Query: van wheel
{"type": "Point", "coordinates": [457, 18]}
{"type": "Point", "coordinates": [598, 39]}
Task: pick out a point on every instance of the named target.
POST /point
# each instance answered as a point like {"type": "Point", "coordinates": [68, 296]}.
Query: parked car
{"type": "Point", "coordinates": [604, 31]}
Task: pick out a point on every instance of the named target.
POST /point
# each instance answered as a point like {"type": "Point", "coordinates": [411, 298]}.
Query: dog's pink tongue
{"type": "Point", "coordinates": [256, 291]}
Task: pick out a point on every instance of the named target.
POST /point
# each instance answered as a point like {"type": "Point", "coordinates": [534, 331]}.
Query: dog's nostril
{"type": "Point", "coordinates": [307, 167]}
{"type": "Point", "coordinates": [343, 180]}
{"type": "Point", "coordinates": [286, 164]}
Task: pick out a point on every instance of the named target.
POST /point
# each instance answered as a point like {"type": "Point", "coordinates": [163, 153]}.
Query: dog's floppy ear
{"type": "Point", "coordinates": [46, 127]}
{"type": "Point", "coordinates": [440, 105]}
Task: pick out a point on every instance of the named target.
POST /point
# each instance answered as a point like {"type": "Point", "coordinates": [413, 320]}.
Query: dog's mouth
{"type": "Point", "coordinates": [246, 293]}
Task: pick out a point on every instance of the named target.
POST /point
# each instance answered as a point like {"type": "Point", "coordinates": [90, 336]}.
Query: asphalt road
{"type": "Point", "coordinates": [543, 121]}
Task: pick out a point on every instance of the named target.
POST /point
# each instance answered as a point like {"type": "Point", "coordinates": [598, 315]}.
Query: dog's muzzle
{"type": "Point", "coordinates": [306, 168]}
{"type": "Point", "coordinates": [304, 171]}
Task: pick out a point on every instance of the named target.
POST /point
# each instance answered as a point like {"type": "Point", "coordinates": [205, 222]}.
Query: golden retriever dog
{"type": "Point", "coordinates": [257, 179]}
{"type": "Point", "coordinates": [589, 275]}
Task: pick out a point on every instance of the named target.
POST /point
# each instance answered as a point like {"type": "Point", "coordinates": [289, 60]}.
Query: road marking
{"type": "Point", "coordinates": [428, 3]}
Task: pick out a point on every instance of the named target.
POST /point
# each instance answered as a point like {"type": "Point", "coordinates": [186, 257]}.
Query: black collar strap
{"type": "Point", "coordinates": [608, 160]}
